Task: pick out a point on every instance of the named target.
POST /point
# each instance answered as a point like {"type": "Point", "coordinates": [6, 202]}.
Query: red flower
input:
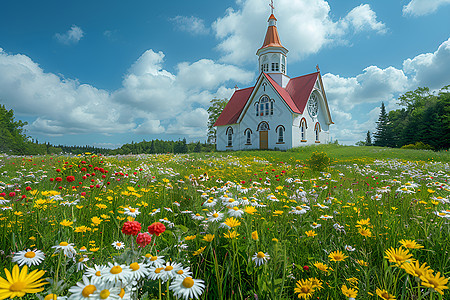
{"type": "Point", "coordinates": [51, 179]}
{"type": "Point", "coordinates": [58, 170]}
{"type": "Point", "coordinates": [2, 194]}
{"type": "Point", "coordinates": [143, 239]}
{"type": "Point", "coordinates": [306, 268]}
{"type": "Point", "coordinates": [28, 188]}
{"type": "Point", "coordinates": [12, 194]}
{"type": "Point", "coordinates": [131, 228]}
{"type": "Point", "coordinates": [58, 179]}
{"type": "Point", "coordinates": [83, 193]}
{"type": "Point", "coordinates": [156, 228]}
{"type": "Point", "coordinates": [70, 178]}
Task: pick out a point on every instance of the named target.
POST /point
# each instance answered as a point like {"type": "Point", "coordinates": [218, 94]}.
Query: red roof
{"type": "Point", "coordinates": [296, 95]}
{"type": "Point", "coordinates": [234, 107]}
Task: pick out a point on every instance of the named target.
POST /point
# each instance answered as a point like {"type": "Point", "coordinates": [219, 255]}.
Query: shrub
{"type": "Point", "coordinates": [319, 161]}
{"type": "Point", "coordinates": [418, 146]}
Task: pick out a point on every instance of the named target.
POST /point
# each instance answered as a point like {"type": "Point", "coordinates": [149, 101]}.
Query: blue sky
{"type": "Point", "coordinates": [106, 73]}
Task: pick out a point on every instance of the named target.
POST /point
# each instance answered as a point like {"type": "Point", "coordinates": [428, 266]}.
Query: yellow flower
{"type": "Point", "coordinates": [415, 269]}
{"type": "Point", "coordinates": [190, 237]}
{"type": "Point", "coordinates": [275, 240]}
{"type": "Point", "coordinates": [232, 222]}
{"type": "Point", "coordinates": [199, 251]}
{"type": "Point", "coordinates": [94, 249]}
{"type": "Point", "coordinates": [398, 256]}
{"type": "Point", "coordinates": [383, 294]}
{"type": "Point", "coordinates": [410, 244]}
{"type": "Point", "coordinates": [231, 235]}
{"type": "Point", "coordinates": [96, 221]}
{"type": "Point", "coordinates": [81, 229]}
{"type": "Point", "coordinates": [250, 210]}
{"type": "Point", "coordinates": [311, 233]}
{"type": "Point", "coordinates": [304, 289]}
{"type": "Point", "coordinates": [365, 232]}
{"type": "Point", "coordinates": [337, 256]}
{"type": "Point", "coordinates": [19, 282]}
{"type": "Point", "coordinates": [321, 266]}
{"type": "Point", "coordinates": [349, 292]}
{"type": "Point", "coordinates": [278, 213]}
{"type": "Point", "coordinates": [437, 282]}
{"type": "Point", "coordinates": [101, 206]}
{"type": "Point", "coordinates": [255, 235]}
{"type": "Point", "coordinates": [66, 223]}
{"type": "Point", "coordinates": [362, 263]}
{"type": "Point", "coordinates": [363, 222]}
{"type": "Point", "coordinates": [208, 237]}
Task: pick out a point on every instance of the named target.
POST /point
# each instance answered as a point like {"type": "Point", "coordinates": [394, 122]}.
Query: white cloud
{"type": "Point", "coordinates": [430, 69]}
{"type": "Point", "coordinates": [305, 26]}
{"type": "Point", "coordinates": [423, 7]}
{"type": "Point", "coordinates": [151, 100]}
{"type": "Point", "coordinates": [72, 36]}
{"type": "Point", "coordinates": [193, 25]}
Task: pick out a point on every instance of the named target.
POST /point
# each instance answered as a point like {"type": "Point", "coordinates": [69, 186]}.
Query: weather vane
{"type": "Point", "coordinates": [271, 5]}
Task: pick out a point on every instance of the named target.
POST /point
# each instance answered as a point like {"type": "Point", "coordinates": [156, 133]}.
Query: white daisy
{"type": "Point", "coordinates": [30, 258]}
{"type": "Point", "coordinates": [138, 270]}
{"type": "Point", "coordinates": [349, 248]}
{"type": "Point", "coordinates": [187, 287]}
{"type": "Point", "coordinates": [125, 292]}
{"type": "Point", "coordinates": [96, 272]}
{"type": "Point", "coordinates": [81, 265]}
{"type": "Point", "coordinates": [117, 272]}
{"type": "Point", "coordinates": [183, 272]}
{"type": "Point", "coordinates": [210, 202]}
{"type": "Point", "coordinates": [83, 290]}
{"type": "Point", "coordinates": [156, 261]}
{"type": "Point", "coordinates": [170, 270]}
{"type": "Point", "coordinates": [66, 248]}
{"type": "Point", "coordinates": [132, 212]}
{"type": "Point", "coordinates": [118, 245]}
{"type": "Point", "coordinates": [315, 225]}
{"type": "Point", "coordinates": [155, 272]}
{"type": "Point", "coordinates": [260, 258]}
{"type": "Point", "coordinates": [107, 291]}
{"type": "Point", "coordinates": [197, 216]}
{"type": "Point", "coordinates": [235, 212]}
{"type": "Point", "coordinates": [214, 216]}
{"type": "Point", "coordinates": [155, 211]}
{"type": "Point", "coordinates": [298, 210]}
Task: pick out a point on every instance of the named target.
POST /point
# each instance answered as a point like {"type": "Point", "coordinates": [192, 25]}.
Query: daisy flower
{"type": "Point", "coordinates": [156, 261]}
{"type": "Point", "coordinates": [260, 258]}
{"type": "Point", "coordinates": [315, 225]}
{"type": "Point", "coordinates": [349, 248]}
{"type": "Point", "coordinates": [169, 271]}
{"type": "Point", "coordinates": [197, 217]}
{"type": "Point", "coordinates": [155, 272]}
{"type": "Point", "coordinates": [96, 272]}
{"type": "Point", "coordinates": [235, 212]}
{"type": "Point", "coordinates": [155, 211]}
{"type": "Point", "coordinates": [118, 245]}
{"type": "Point", "coordinates": [83, 290]}
{"type": "Point", "coordinates": [117, 272]}
{"type": "Point", "coordinates": [66, 248]}
{"type": "Point", "coordinates": [107, 291]}
{"type": "Point", "coordinates": [30, 258]}
{"type": "Point", "coordinates": [183, 272]}
{"type": "Point", "coordinates": [19, 282]}
{"type": "Point", "coordinates": [138, 270]}
{"type": "Point", "coordinates": [187, 288]}
{"type": "Point", "coordinates": [132, 212]}
{"type": "Point", "coordinates": [214, 216]}
{"type": "Point", "coordinates": [298, 210]}
{"type": "Point", "coordinates": [81, 265]}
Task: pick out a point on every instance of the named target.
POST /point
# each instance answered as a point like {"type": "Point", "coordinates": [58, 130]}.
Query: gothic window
{"type": "Point", "coordinates": [313, 105]}
{"type": "Point", "coordinates": [317, 130]}
{"type": "Point", "coordinates": [303, 128]}
{"type": "Point", "coordinates": [280, 131]}
{"type": "Point", "coordinates": [229, 137]}
{"type": "Point", "coordinates": [257, 108]}
{"type": "Point", "coordinates": [248, 136]}
{"type": "Point", "coordinates": [264, 106]}
{"type": "Point", "coordinates": [263, 126]}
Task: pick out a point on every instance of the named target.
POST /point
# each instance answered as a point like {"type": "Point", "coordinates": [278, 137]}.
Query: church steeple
{"type": "Point", "coordinates": [272, 55]}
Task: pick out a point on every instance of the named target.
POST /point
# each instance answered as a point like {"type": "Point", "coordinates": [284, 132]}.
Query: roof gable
{"type": "Point", "coordinates": [300, 88]}
{"type": "Point", "coordinates": [234, 107]}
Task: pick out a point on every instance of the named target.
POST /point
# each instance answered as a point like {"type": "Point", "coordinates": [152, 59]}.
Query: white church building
{"type": "Point", "coordinates": [279, 112]}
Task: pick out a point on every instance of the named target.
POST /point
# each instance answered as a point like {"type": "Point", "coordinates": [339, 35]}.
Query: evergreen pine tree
{"type": "Point", "coordinates": [382, 135]}
{"type": "Point", "coordinates": [368, 139]}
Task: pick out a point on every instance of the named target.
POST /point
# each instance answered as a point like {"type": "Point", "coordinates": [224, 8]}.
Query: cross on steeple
{"type": "Point", "coordinates": [271, 6]}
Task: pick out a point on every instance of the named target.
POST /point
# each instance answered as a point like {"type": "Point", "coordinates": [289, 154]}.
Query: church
{"type": "Point", "coordinates": [278, 112]}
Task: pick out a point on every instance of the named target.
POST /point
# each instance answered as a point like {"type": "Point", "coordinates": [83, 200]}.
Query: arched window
{"type": "Point", "coordinates": [248, 136]}
{"type": "Point", "coordinates": [280, 130]}
{"type": "Point", "coordinates": [303, 128]}
{"type": "Point", "coordinates": [257, 108]}
{"type": "Point", "coordinates": [264, 107]}
{"type": "Point", "coordinates": [317, 130]}
{"type": "Point", "coordinates": [229, 133]}
{"type": "Point", "coordinates": [263, 126]}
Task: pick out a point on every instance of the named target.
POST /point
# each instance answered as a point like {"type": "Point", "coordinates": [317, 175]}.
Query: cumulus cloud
{"type": "Point", "coordinates": [151, 100]}
{"type": "Point", "coordinates": [305, 27]}
{"type": "Point", "coordinates": [72, 36]}
{"type": "Point", "coordinates": [423, 7]}
{"type": "Point", "coordinates": [192, 25]}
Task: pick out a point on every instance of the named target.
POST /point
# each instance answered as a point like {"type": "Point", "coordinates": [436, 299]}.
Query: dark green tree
{"type": "Point", "coordinates": [382, 135]}
{"type": "Point", "coordinates": [12, 134]}
{"type": "Point", "coordinates": [368, 139]}
{"type": "Point", "coordinates": [214, 111]}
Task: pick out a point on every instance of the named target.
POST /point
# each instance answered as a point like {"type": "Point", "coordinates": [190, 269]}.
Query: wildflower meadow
{"type": "Point", "coordinates": [326, 222]}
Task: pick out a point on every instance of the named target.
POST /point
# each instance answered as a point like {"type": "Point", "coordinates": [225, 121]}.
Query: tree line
{"type": "Point", "coordinates": [14, 141]}
{"type": "Point", "coordinates": [423, 121]}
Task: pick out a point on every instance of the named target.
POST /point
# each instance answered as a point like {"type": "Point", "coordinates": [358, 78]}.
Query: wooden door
{"type": "Point", "coordinates": [263, 140]}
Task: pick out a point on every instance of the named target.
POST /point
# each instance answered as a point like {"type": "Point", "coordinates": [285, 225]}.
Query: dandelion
{"type": "Point", "coordinates": [260, 258]}
{"type": "Point", "coordinates": [208, 237]}
{"type": "Point", "coordinates": [436, 282]}
{"type": "Point", "coordinates": [383, 294]}
{"type": "Point", "coordinates": [19, 282]}
{"type": "Point", "coordinates": [410, 244]}
{"type": "Point", "coordinates": [187, 287]}
{"type": "Point", "coordinates": [310, 233]}
{"type": "Point", "coordinates": [30, 258]}
{"type": "Point", "coordinates": [337, 256]}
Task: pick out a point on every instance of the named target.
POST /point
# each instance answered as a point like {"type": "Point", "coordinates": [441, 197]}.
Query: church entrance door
{"type": "Point", "coordinates": [263, 140]}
